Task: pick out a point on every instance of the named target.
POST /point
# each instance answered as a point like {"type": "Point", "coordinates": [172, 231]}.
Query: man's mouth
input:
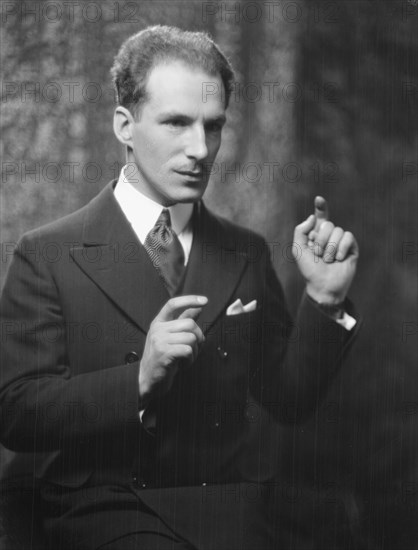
{"type": "Point", "coordinates": [191, 173]}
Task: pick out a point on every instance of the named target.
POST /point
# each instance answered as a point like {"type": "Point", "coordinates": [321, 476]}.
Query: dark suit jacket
{"type": "Point", "coordinates": [76, 307]}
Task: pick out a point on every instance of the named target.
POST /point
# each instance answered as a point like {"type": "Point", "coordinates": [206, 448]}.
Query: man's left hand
{"type": "Point", "coordinates": [326, 256]}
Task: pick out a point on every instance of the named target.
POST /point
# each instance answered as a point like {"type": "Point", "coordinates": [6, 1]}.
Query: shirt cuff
{"type": "Point", "coordinates": [336, 312]}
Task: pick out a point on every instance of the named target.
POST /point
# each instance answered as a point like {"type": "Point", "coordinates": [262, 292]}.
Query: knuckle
{"type": "Point", "coordinates": [189, 324]}
{"type": "Point", "coordinates": [170, 305]}
{"type": "Point", "coordinates": [191, 338]}
{"type": "Point", "coordinates": [165, 360]}
{"type": "Point", "coordinates": [159, 348]}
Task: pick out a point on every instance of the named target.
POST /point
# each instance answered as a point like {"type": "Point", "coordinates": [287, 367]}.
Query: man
{"type": "Point", "coordinates": [133, 349]}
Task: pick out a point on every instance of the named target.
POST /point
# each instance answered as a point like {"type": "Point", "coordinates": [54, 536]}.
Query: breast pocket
{"type": "Point", "coordinates": [235, 341]}
{"type": "Point", "coordinates": [243, 330]}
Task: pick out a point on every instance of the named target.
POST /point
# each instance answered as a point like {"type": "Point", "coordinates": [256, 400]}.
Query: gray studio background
{"type": "Point", "coordinates": [326, 103]}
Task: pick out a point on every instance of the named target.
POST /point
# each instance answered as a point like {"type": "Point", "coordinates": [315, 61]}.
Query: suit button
{"type": "Point", "coordinates": [131, 357]}
{"type": "Point", "coordinates": [222, 353]}
{"type": "Point", "coordinates": [139, 482]}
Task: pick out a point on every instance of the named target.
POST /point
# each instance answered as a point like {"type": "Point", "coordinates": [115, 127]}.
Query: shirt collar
{"type": "Point", "coordinates": [142, 212]}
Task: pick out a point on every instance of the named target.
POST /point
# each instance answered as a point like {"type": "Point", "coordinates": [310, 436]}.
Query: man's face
{"type": "Point", "coordinates": [177, 133]}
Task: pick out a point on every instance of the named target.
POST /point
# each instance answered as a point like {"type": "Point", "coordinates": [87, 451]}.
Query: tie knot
{"type": "Point", "coordinates": [164, 219]}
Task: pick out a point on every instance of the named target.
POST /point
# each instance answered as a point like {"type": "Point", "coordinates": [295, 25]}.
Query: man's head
{"type": "Point", "coordinates": [157, 45]}
{"type": "Point", "coordinates": [171, 126]}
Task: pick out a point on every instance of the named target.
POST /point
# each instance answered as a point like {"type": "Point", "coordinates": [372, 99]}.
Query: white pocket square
{"type": "Point", "coordinates": [237, 307]}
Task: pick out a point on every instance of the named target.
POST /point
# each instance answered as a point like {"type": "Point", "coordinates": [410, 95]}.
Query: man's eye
{"type": "Point", "coordinates": [176, 123]}
{"type": "Point", "coordinates": [215, 127]}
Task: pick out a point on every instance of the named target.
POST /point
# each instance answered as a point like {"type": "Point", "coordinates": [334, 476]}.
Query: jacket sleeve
{"type": "Point", "coordinates": [44, 406]}
{"type": "Point", "coordinates": [299, 358]}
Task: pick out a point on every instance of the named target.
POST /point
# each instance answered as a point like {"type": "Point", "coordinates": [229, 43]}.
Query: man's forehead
{"type": "Point", "coordinates": [175, 82]}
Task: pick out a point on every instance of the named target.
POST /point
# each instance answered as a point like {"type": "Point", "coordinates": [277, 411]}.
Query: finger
{"type": "Point", "coordinates": [175, 306]}
{"type": "Point", "coordinates": [347, 246]}
{"type": "Point", "coordinates": [321, 212]}
{"type": "Point", "coordinates": [303, 229]}
{"type": "Point", "coordinates": [185, 325]}
{"type": "Point", "coordinates": [188, 338]}
{"type": "Point", "coordinates": [323, 236]}
{"type": "Point", "coordinates": [185, 339]}
{"type": "Point", "coordinates": [331, 247]}
{"type": "Point", "coordinates": [191, 313]}
{"type": "Point", "coordinates": [182, 351]}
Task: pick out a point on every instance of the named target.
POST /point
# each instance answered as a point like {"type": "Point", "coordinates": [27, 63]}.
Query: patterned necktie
{"type": "Point", "coordinates": [166, 252]}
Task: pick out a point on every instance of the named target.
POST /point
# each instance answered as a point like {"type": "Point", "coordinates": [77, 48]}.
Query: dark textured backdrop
{"type": "Point", "coordinates": [326, 102]}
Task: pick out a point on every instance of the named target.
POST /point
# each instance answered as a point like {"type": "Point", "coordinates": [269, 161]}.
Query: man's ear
{"type": "Point", "coordinates": [122, 125]}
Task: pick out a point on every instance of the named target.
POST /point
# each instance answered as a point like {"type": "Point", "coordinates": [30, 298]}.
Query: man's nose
{"type": "Point", "coordinates": [196, 146]}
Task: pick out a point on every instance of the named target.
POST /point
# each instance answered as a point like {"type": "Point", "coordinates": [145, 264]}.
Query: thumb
{"type": "Point", "coordinates": [321, 211]}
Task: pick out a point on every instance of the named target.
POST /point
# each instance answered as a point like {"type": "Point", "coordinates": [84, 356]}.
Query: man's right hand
{"type": "Point", "coordinates": [173, 336]}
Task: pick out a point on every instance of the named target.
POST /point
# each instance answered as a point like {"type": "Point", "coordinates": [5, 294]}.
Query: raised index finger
{"type": "Point", "coordinates": [175, 306]}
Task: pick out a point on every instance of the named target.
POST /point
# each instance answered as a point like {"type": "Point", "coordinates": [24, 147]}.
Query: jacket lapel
{"type": "Point", "coordinates": [215, 267]}
{"type": "Point", "coordinates": [116, 261]}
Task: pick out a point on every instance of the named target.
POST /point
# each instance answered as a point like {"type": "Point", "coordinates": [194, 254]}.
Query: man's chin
{"type": "Point", "coordinates": [191, 194]}
{"type": "Point", "coordinates": [188, 200]}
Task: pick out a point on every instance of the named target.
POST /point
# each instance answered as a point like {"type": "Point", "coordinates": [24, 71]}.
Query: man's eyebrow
{"type": "Point", "coordinates": [172, 114]}
{"type": "Point", "coordinates": [178, 114]}
{"type": "Point", "coordinates": [169, 115]}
